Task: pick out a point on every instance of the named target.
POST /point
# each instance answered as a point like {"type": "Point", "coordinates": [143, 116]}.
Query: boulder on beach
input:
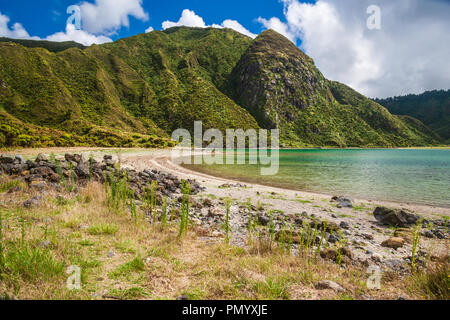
{"type": "Point", "coordinates": [395, 217]}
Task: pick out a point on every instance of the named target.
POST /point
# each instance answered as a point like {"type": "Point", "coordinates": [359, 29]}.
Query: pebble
{"type": "Point", "coordinates": [327, 284]}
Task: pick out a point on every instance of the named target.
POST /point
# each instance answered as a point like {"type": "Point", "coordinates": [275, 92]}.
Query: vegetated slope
{"type": "Point", "coordinates": [281, 87]}
{"type": "Point", "coordinates": [49, 45]}
{"type": "Point", "coordinates": [136, 91]}
{"type": "Point", "coordinates": [431, 107]}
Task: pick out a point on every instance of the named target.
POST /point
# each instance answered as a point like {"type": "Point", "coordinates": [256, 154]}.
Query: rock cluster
{"type": "Point", "coordinates": [46, 172]}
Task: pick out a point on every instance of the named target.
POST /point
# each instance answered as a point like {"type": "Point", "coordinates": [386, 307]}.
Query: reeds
{"type": "Point", "coordinates": [185, 207]}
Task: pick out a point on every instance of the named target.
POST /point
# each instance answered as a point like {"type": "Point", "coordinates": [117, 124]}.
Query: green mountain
{"type": "Point", "coordinates": [136, 91]}
{"type": "Point", "coordinates": [49, 45]}
{"type": "Point", "coordinates": [431, 107]}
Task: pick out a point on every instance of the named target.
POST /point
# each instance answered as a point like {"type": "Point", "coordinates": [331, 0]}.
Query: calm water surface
{"type": "Point", "coordinates": [416, 176]}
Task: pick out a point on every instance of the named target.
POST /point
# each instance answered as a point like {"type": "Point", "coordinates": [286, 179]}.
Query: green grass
{"type": "Point", "coordinates": [8, 185]}
{"type": "Point", "coordinates": [272, 288]}
{"type": "Point", "coordinates": [134, 266]}
{"type": "Point", "coordinates": [31, 264]}
{"type": "Point", "coordinates": [195, 294]}
{"type": "Point", "coordinates": [86, 243]}
{"type": "Point", "coordinates": [103, 229]}
{"type": "Point", "coordinates": [128, 294]}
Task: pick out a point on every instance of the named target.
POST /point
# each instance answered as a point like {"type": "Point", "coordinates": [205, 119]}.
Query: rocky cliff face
{"type": "Point", "coordinates": [282, 88]}
{"type": "Point", "coordinates": [274, 80]}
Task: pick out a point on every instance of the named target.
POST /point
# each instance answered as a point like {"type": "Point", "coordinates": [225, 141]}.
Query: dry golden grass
{"type": "Point", "coordinates": [151, 263]}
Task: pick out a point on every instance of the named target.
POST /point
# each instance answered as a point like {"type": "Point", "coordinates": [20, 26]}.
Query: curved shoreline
{"type": "Point", "coordinates": [161, 160]}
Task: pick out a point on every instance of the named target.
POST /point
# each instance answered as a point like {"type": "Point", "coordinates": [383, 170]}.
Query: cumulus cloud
{"type": "Point", "coordinates": [280, 27]}
{"type": "Point", "coordinates": [233, 24]}
{"type": "Point", "coordinates": [17, 31]}
{"type": "Point", "coordinates": [106, 16]}
{"type": "Point", "coordinates": [80, 36]}
{"type": "Point", "coordinates": [149, 29]}
{"type": "Point", "coordinates": [408, 55]}
{"type": "Point", "coordinates": [190, 19]}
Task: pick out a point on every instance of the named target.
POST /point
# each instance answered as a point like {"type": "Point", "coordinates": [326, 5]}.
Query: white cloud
{"type": "Point", "coordinates": [410, 54]}
{"type": "Point", "coordinates": [17, 31]}
{"type": "Point", "coordinates": [188, 19]}
{"type": "Point", "coordinates": [149, 29]}
{"type": "Point", "coordinates": [233, 24]}
{"type": "Point", "coordinates": [191, 19]}
{"type": "Point", "coordinates": [80, 36]}
{"type": "Point", "coordinates": [106, 16]}
{"type": "Point", "coordinates": [280, 27]}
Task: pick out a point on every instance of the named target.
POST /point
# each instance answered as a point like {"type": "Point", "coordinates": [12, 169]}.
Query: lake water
{"type": "Point", "coordinates": [415, 176]}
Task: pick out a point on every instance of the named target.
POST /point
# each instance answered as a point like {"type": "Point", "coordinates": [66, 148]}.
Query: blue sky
{"type": "Point", "coordinates": [45, 17]}
{"type": "Point", "coordinates": [408, 51]}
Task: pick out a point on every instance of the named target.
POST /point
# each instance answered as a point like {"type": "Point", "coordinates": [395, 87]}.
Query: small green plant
{"type": "Point", "coordinates": [271, 229]}
{"type": "Point", "coordinates": [227, 219]}
{"type": "Point", "coordinates": [185, 207]}
{"type": "Point", "coordinates": [164, 214]}
{"type": "Point", "coordinates": [2, 260]}
{"type": "Point", "coordinates": [322, 236]}
{"type": "Point", "coordinates": [133, 207]}
{"type": "Point", "coordinates": [415, 245]}
{"type": "Point", "coordinates": [91, 166]}
{"type": "Point", "coordinates": [22, 230]}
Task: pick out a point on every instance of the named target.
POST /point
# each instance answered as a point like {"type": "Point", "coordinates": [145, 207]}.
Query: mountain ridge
{"type": "Point", "coordinates": [431, 107]}
{"type": "Point", "coordinates": [136, 91]}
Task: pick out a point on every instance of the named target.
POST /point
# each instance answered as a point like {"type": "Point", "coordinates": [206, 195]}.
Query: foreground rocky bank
{"type": "Point", "coordinates": [393, 239]}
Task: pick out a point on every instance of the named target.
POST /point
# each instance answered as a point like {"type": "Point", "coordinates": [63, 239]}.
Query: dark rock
{"type": "Point", "coordinates": [73, 157]}
{"type": "Point", "coordinates": [33, 202]}
{"type": "Point", "coordinates": [45, 244]}
{"type": "Point", "coordinates": [263, 220]}
{"type": "Point", "coordinates": [41, 158]}
{"type": "Point", "coordinates": [54, 177]}
{"type": "Point", "coordinates": [6, 168]}
{"type": "Point", "coordinates": [395, 217]}
{"type": "Point", "coordinates": [327, 284]}
{"type": "Point", "coordinates": [19, 159]}
{"type": "Point", "coordinates": [6, 159]}
{"type": "Point", "coordinates": [19, 168]}
{"type": "Point", "coordinates": [333, 238]}
{"type": "Point", "coordinates": [341, 199]}
{"type": "Point", "coordinates": [299, 221]}
{"type": "Point", "coordinates": [42, 171]}
{"type": "Point", "coordinates": [31, 164]}
{"type": "Point", "coordinates": [429, 234]}
{"type": "Point", "coordinates": [345, 205]}
{"type": "Point", "coordinates": [82, 170]}
{"type": "Point", "coordinates": [439, 234]}
{"type": "Point", "coordinates": [344, 225]}
{"type": "Point", "coordinates": [395, 264]}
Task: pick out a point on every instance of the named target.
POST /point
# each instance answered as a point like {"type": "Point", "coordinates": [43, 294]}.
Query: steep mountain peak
{"type": "Point", "coordinates": [274, 80]}
{"type": "Point", "coordinates": [276, 42]}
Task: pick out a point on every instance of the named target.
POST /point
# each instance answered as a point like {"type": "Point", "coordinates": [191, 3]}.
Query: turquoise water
{"type": "Point", "coordinates": [410, 176]}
